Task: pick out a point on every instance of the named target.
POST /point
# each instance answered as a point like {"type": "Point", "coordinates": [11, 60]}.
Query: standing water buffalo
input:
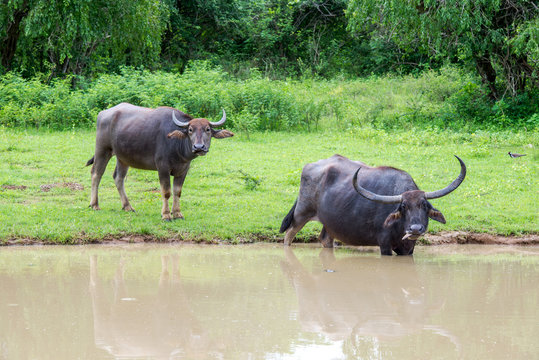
{"type": "Point", "coordinates": [162, 139]}
{"type": "Point", "coordinates": [391, 211]}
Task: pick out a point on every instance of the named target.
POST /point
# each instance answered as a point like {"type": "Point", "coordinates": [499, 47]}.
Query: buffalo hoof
{"type": "Point", "coordinates": [166, 217]}
{"type": "Point", "coordinates": [177, 216]}
{"type": "Point", "coordinates": [128, 208]}
{"type": "Point", "coordinates": [95, 207]}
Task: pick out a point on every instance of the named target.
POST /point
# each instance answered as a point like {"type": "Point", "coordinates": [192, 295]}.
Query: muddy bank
{"type": "Point", "coordinates": [447, 237]}
{"type": "Point", "coordinates": [463, 237]}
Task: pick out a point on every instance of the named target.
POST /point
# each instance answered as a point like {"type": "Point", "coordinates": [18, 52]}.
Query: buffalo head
{"type": "Point", "coordinates": [199, 132]}
{"type": "Point", "coordinates": [414, 209]}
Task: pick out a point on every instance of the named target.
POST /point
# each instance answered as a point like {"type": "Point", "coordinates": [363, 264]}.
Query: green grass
{"type": "Point", "coordinates": [218, 201]}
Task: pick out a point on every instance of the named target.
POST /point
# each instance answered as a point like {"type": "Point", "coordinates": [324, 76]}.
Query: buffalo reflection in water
{"type": "Point", "coordinates": [353, 297]}
{"type": "Point", "coordinates": [155, 325]}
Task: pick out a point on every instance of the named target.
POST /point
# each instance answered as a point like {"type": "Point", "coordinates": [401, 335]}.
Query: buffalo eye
{"type": "Point", "coordinates": [403, 206]}
{"type": "Point", "coordinates": [208, 129]}
{"type": "Point", "coordinates": [190, 130]}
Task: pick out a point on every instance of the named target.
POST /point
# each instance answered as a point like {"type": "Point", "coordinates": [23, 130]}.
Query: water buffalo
{"type": "Point", "coordinates": [391, 211]}
{"type": "Point", "coordinates": [162, 139]}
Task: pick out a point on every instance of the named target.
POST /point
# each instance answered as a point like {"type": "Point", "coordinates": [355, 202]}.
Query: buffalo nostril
{"type": "Point", "coordinates": [417, 228]}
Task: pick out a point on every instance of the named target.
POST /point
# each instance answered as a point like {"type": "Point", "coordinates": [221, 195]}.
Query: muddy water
{"type": "Point", "coordinates": [262, 302]}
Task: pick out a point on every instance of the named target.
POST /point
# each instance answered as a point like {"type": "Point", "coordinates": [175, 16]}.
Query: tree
{"type": "Point", "coordinates": [68, 36]}
{"type": "Point", "coordinates": [499, 38]}
{"type": "Point", "coordinates": [280, 37]}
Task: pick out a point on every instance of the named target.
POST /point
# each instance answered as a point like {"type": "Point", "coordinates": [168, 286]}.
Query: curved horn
{"type": "Point", "coordinates": [178, 122]}
{"type": "Point", "coordinates": [455, 184]}
{"type": "Point", "coordinates": [220, 122]}
{"type": "Point", "coordinates": [384, 199]}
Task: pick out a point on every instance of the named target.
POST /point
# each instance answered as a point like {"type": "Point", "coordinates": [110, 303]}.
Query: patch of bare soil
{"type": "Point", "coordinates": [448, 237]}
{"type": "Point", "coordinates": [70, 185]}
{"type": "Point", "coordinates": [14, 187]}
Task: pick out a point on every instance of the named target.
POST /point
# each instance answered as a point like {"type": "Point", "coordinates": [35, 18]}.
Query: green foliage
{"type": "Point", "coordinates": [470, 105]}
{"type": "Point", "coordinates": [261, 104]}
{"type": "Point", "coordinates": [497, 38]}
{"type": "Point", "coordinates": [281, 38]}
{"type": "Point", "coordinates": [80, 36]}
{"type": "Point", "coordinates": [447, 98]}
{"type": "Point", "coordinates": [251, 181]}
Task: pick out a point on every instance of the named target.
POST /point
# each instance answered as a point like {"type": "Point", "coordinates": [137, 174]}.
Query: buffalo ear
{"type": "Point", "coordinates": [391, 218]}
{"type": "Point", "coordinates": [435, 214]}
{"type": "Point", "coordinates": [221, 134]}
{"type": "Point", "coordinates": [176, 134]}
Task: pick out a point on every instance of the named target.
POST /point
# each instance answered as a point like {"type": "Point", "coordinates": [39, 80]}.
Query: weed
{"type": "Point", "coordinates": [251, 182]}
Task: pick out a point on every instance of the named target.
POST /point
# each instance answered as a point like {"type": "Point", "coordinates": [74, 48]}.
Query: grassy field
{"type": "Point", "coordinates": [244, 187]}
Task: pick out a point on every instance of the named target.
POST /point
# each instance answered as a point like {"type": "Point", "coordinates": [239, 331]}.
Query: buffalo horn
{"type": "Point", "coordinates": [178, 122]}
{"type": "Point", "coordinates": [384, 199]}
{"type": "Point", "coordinates": [220, 122]}
{"type": "Point", "coordinates": [455, 184]}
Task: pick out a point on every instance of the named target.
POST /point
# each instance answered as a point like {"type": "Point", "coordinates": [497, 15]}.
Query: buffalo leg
{"type": "Point", "coordinates": [325, 239]}
{"type": "Point", "coordinates": [405, 248]}
{"type": "Point", "coordinates": [297, 224]}
{"type": "Point", "coordinates": [302, 215]}
{"type": "Point", "coordinates": [164, 179]}
{"type": "Point", "coordinates": [176, 193]}
{"type": "Point", "coordinates": [101, 159]}
{"type": "Point", "coordinates": [385, 250]}
{"type": "Point", "coordinates": [119, 177]}
{"type": "Point", "coordinates": [385, 246]}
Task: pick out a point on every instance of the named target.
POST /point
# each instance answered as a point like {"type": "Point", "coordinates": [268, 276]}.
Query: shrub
{"type": "Point", "coordinates": [444, 98]}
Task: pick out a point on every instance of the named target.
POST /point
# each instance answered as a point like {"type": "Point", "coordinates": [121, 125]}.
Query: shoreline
{"type": "Point", "coordinates": [441, 238]}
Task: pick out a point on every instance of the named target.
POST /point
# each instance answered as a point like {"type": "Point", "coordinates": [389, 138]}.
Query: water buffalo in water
{"type": "Point", "coordinates": [162, 139]}
{"type": "Point", "coordinates": [391, 211]}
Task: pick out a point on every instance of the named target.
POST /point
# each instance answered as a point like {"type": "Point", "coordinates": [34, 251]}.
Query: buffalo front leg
{"type": "Point", "coordinates": [384, 241]}
{"type": "Point", "coordinates": [101, 159]}
{"type": "Point", "coordinates": [119, 178]}
{"type": "Point", "coordinates": [164, 179]}
{"type": "Point", "coordinates": [176, 194]}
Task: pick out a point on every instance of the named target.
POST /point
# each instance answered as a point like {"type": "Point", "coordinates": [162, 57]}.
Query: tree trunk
{"type": "Point", "coordinates": [488, 74]}
{"type": "Point", "coordinates": [13, 31]}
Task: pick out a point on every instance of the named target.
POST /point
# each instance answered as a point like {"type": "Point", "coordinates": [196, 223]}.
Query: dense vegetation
{"type": "Point", "coordinates": [63, 53]}
{"type": "Point", "coordinates": [445, 98]}
{"type": "Point", "coordinates": [279, 37]}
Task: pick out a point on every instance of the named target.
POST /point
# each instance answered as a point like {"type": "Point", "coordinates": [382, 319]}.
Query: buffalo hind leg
{"type": "Point", "coordinates": [101, 159]}
{"type": "Point", "coordinates": [300, 218]}
{"type": "Point", "coordinates": [120, 172]}
{"type": "Point", "coordinates": [325, 239]}
{"type": "Point", "coordinates": [164, 179]}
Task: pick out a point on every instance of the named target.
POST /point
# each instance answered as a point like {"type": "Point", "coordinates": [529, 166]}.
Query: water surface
{"type": "Point", "coordinates": [265, 302]}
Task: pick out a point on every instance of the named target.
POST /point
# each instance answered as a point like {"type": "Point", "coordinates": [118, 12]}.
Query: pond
{"type": "Point", "coordinates": [267, 302]}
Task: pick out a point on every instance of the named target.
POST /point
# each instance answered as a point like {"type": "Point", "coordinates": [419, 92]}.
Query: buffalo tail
{"type": "Point", "coordinates": [287, 221]}
{"type": "Point", "coordinates": [91, 161]}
